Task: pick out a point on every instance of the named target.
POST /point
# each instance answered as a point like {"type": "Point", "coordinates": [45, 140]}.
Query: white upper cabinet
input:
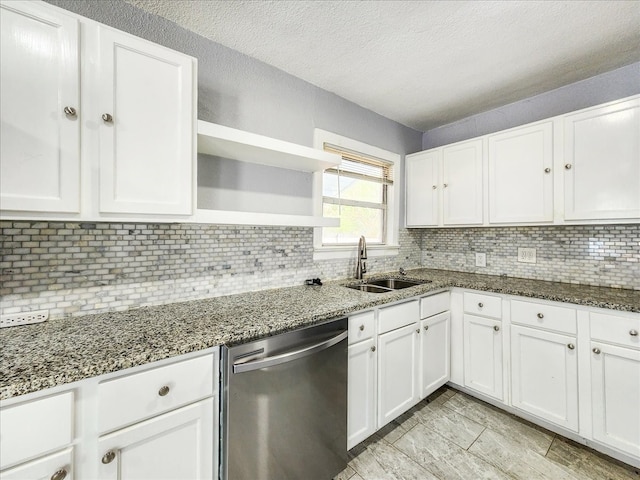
{"type": "Point", "coordinates": [146, 127]}
{"type": "Point", "coordinates": [602, 162]}
{"type": "Point", "coordinates": [40, 75]}
{"type": "Point", "coordinates": [520, 176]}
{"type": "Point", "coordinates": [423, 188]}
{"type": "Point", "coordinates": [462, 183]}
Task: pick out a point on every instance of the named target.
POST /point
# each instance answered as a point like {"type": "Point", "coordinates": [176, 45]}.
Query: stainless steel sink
{"type": "Point", "coordinates": [386, 285]}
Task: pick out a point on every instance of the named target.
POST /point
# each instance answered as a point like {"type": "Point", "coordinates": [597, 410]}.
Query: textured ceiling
{"type": "Point", "coordinates": [422, 63]}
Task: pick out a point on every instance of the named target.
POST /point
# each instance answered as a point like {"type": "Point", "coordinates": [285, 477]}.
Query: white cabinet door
{"type": "Point", "coordinates": [423, 188]}
{"type": "Point", "coordinates": [57, 467]}
{"type": "Point", "coordinates": [615, 388]}
{"type": "Point", "coordinates": [602, 162]}
{"type": "Point", "coordinates": [462, 183]}
{"type": "Point", "coordinates": [434, 353]}
{"type": "Point", "coordinates": [146, 145]}
{"type": "Point", "coordinates": [40, 147]}
{"type": "Point", "coordinates": [520, 175]}
{"type": "Point", "coordinates": [361, 417]}
{"type": "Point", "coordinates": [175, 446]}
{"type": "Point", "coordinates": [544, 375]}
{"type": "Point", "coordinates": [483, 355]}
{"type": "Point", "coordinates": [397, 372]}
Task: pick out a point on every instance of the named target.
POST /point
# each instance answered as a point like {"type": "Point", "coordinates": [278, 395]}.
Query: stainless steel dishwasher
{"type": "Point", "coordinates": [284, 408]}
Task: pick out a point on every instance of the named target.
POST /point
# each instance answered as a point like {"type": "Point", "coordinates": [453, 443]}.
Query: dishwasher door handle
{"type": "Point", "coordinates": [289, 356]}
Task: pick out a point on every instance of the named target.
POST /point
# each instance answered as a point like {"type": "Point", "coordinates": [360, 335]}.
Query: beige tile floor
{"type": "Point", "coordinates": [451, 435]}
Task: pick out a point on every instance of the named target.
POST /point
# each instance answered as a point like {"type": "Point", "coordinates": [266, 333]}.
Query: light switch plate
{"type": "Point", "coordinates": [481, 259]}
{"type": "Point", "coordinates": [526, 255]}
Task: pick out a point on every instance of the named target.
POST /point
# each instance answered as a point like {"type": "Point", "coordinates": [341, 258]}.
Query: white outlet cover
{"type": "Point", "coordinates": [481, 259]}
{"type": "Point", "coordinates": [526, 255]}
{"type": "Point", "coordinates": [23, 318]}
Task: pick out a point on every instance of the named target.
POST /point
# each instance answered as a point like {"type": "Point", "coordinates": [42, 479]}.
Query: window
{"type": "Point", "coordinates": [356, 192]}
{"type": "Point", "coordinates": [362, 193]}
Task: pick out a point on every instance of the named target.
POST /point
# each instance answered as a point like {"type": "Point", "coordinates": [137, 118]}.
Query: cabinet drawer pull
{"type": "Point", "coordinates": [107, 117]}
{"type": "Point", "coordinates": [108, 457]}
{"type": "Point", "coordinates": [72, 113]}
{"type": "Point", "coordinates": [568, 166]}
{"type": "Point", "coordinates": [596, 350]}
{"type": "Point", "coordinates": [540, 316]}
{"type": "Point", "coordinates": [418, 331]}
{"type": "Point", "coordinates": [373, 349]}
{"type": "Point", "coordinates": [480, 304]}
{"type": "Point", "coordinates": [633, 333]}
{"type": "Point", "coordinates": [426, 327]}
{"type": "Point", "coordinates": [164, 390]}
{"type": "Point", "coordinates": [59, 475]}
{"type": "Point", "coordinates": [445, 185]}
{"type": "Point", "coordinates": [547, 170]}
{"type": "Point", "coordinates": [571, 346]}
{"type": "Point", "coordinates": [496, 328]}
{"type": "Point", "coordinates": [434, 187]}
{"type": "Point", "coordinates": [361, 327]}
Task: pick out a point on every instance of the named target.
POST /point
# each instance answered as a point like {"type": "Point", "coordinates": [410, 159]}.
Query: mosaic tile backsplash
{"type": "Point", "coordinates": [79, 268]}
{"type": "Point", "coordinates": [601, 255]}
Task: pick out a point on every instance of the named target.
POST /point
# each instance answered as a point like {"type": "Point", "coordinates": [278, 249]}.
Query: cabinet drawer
{"type": "Point", "coordinates": [481, 304]}
{"type": "Point", "coordinates": [33, 428]}
{"type": "Point", "coordinates": [434, 304]}
{"type": "Point", "coordinates": [129, 399]}
{"type": "Point", "coordinates": [615, 329]}
{"type": "Point", "coordinates": [43, 467]}
{"type": "Point", "coordinates": [549, 317]}
{"type": "Point", "coordinates": [397, 316]}
{"type": "Point", "coordinates": [361, 326]}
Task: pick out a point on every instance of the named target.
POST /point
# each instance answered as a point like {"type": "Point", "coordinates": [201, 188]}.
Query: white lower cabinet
{"type": "Point", "coordinates": [544, 375]}
{"type": "Point", "coordinates": [52, 467]}
{"type": "Point", "coordinates": [177, 445]}
{"type": "Point", "coordinates": [434, 353]}
{"type": "Point", "coordinates": [483, 355]}
{"type": "Point", "coordinates": [397, 372]}
{"type": "Point", "coordinates": [361, 418]}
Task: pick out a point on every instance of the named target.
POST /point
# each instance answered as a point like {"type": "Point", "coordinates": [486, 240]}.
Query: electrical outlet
{"type": "Point", "coordinates": [481, 259]}
{"type": "Point", "coordinates": [526, 255]}
{"type": "Point", "coordinates": [23, 318]}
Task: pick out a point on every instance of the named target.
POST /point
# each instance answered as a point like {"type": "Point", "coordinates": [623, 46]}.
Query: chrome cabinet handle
{"type": "Point", "coordinates": [72, 113]}
{"type": "Point", "coordinates": [373, 349]}
{"type": "Point", "coordinates": [108, 457]}
{"type": "Point", "coordinates": [107, 117]}
{"type": "Point", "coordinates": [418, 331]}
{"type": "Point", "coordinates": [596, 350]}
{"type": "Point", "coordinates": [633, 333]}
{"type": "Point", "coordinates": [480, 304]}
{"type": "Point", "coordinates": [361, 327]}
{"type": "Point", "coordinates": [445, 185]}
{"type": "Point", "coordinates": [426, 327]}
{"type": "Point", "coordinates": [434, 187]}
{"type": "Point", "coordinates": [164, 390]}
{"type": "Point", "coordinates": [496, 328]}
{"type": "Point", "coordinates": [540, 316]}
{"type": "Point", "coordinates": [571, 346]}
{"type": "Point", "coordinates": [547, 170]}
{"type": "Point", "coordinates": [59, 475]}
{"type": "Point", "coordinates": [568, 166]}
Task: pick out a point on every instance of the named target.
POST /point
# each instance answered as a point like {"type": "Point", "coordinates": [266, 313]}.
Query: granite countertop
{"type": "Point", "coordinates": [35, 357]}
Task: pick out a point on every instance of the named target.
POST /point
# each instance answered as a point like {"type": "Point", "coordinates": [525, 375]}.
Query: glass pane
{"type": "Point", "coordinates": [354, 221]}
{"type": "Point", "coordinates": [352, 188]}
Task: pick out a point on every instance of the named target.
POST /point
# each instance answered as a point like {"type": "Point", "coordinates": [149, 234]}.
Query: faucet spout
{"type": "Point", "coordinates": [361, 266]}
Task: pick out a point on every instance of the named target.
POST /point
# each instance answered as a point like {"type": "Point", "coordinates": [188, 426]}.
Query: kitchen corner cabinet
{"type": "Point", "coordinates": [423, 187]}
{"type": "Point", "coordinates": [602, 162]}
{"type": "Point", "coordinates": [39, 108]}
{"type": "Point", "coordinates": [520, 175]}
{"type": "Point", "coordinates": [462, 183]}
{"type": "Point", "coordinates": [100, 128]}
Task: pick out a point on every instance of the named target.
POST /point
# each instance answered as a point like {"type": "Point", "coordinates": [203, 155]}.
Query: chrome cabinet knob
{"type": "Point", "coordinates": [72, 113]}
{"type": "Point", "coordinates": [417, 330]}
{"type": "Point", "coordinates": [59, 475]}
{"type": "Point", "coordinates": [596, 350]}
{"type": "Point", "coordinates": [426, 327]}
{"type": "Point", "coordinates": [568, 166]}
{"type": "Point", "coordinates": [373, 349]}
{"type": "Point", "coordinates": [108, 457]}
{"type": "Point", "coordinates": [445, 185]}
{"type": "Point", "coordinates": [571, 346]}
{"type": "Point", "coordinates": [540, 316]}
{"type": "Point", "coordinates": [434, 187]}
{"type": "Point", "coordinates": [496, 328]}
{"type": "Point", "coordinates": [361, 327]}
{"type": "Point", "coordinates": [547, 170]}
{"type": "Point", "coordinates": [480, 304]}
{"type": "Point", "coordinates": [107, 117]}
{"type": "Point", "coordinates": [164, 390]}
{"type": "Point", "coordinates": [633, 333]}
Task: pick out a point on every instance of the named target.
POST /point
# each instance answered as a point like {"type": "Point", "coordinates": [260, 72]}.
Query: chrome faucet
{"type": "Point", "coordinates": [361, 266]}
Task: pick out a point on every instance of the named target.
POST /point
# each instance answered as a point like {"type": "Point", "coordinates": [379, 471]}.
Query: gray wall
{"type": "Point", "coordinates": [606, 87]}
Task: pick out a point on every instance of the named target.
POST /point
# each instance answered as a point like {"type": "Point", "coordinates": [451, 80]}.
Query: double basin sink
{"type": "Point", "coordinates": [386, 285]}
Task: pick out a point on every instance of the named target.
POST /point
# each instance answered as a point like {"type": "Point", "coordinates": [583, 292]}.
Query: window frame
{"type": "Point", "coordinates": [391, 247]}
